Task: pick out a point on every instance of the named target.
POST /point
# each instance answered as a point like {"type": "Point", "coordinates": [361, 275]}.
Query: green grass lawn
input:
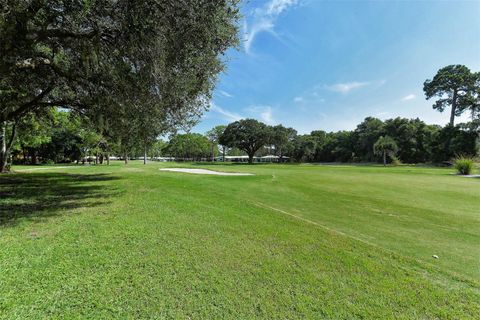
{"type": "Point", "coordinates": [292, 241]}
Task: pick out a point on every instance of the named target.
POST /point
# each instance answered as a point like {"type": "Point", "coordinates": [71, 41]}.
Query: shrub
{"type": "Point", "coordinates": [396, 161]}
{"type": "Point", "coordinates": [464, 165]}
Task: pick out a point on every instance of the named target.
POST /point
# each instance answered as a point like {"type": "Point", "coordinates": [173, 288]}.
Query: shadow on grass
{"type": "Point", "coordinates": [42, 195]}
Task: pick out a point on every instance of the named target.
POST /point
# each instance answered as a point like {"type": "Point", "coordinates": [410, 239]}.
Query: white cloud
{"type": "Point", "coordinates": [409, 97]}
{"type": "Point", "coordinates": [225, 94]}
{"type": "Point", "coordinates": [345, 88]}
{"type": "Point", "coordinates": [275, 7]}
{"type": "Point", "coordinates": [230, 116]}
{"type": "Point", "coordinates": [263, 20]}
{"type": "Point", "coordinates": [310, 96]}
{"type": "Point", "coordinates": [298, 99]}
{"type": "Point", "coordinates": [263, 113]}
{"type": "Point", "coordinates": [267, 116]}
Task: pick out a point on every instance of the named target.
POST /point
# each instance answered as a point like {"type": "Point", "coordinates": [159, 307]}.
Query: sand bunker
{"type": "Point", "coordinates": [472, 176]}
{"type": "Point", "coordinates": [46, 168]}
{"type": "Point", "coordinates": [204, 171]}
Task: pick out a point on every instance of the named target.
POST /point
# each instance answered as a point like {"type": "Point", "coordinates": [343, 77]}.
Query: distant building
{"type": "Point", "coordinates": [268, 158]}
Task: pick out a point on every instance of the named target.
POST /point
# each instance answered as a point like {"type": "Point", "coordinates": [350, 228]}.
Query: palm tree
{"type": "Point", "coordinates": [385, 145]}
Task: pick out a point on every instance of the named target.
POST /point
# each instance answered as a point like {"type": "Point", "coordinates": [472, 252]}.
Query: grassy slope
{"type": "Point", "coordinates": [103, 242]}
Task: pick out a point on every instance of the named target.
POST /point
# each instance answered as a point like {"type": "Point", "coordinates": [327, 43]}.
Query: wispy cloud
{"type": "Point", "coordinates": [345, 88]}
{"type": "Point", "coordinates": [409, 97]}
{"type": "Point", "coordinates": [310, 96]}
{"type": "Point", "coordinates": [262, 113]}
{"type": "Point", "coordinates": [267, 116]}
{"type": "Point", "coordinates": [263, 20]}
{"type": "Point", "coordinates": [225, 94]}
{"type": "Point", "coordinates": [230, 116]}
{"type": "Point", "coordinates": [298, 99]}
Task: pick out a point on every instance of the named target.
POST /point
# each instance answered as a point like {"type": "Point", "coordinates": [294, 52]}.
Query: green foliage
{"type": "Point", "coordinates": [282, 140]}
{"type": "Point", "coordinates": [416, 142]}
{"type": "Point", "coordinates": [147, 66]}
{"type": "Point", "coordinates": [464, 165]}
{"type": "Point", "coordinates": [81, 53]}
{"type": "Point", "coordinates": [158, 148]}
{"type": "Point", "coordinates": [412, 136]}
{"type": "Point", "coordinates": [384, 146]}
{"type": "Point", "coordinates": [58, 136]}
{"type": "Point", "coordinates": [395, 160]}
{"type": "Point", "coordinates": [248, 135]}
{"type": "Point", "coordinates": [456, 87]}
{"type": "Point", "coordinates": [191, 146]}
{"type": "Point", "coordinates": [385, 143]}
{"type": "Point", "coordinates": [215, 133]}
{"type": "Point", "coordinates": [451, 141]}
{"type": "Point", "coordinates": [34, 130]}
{"type": "Point", "coordinates": [304, 148]}
{"type": "Point", "coordinates": [365, 136]}
{"type": "Point", "coordinates": [213, 136]}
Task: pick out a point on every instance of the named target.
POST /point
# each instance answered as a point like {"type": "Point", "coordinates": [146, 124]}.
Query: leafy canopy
{"type": "Point", "coordinates": [80, 54]}
{"type": "Point", "coordinates": [248, 135]}
{"type": "Point", "coordinates": [455, 86]}
{"type": "Point", "coordinates": [385, 144]}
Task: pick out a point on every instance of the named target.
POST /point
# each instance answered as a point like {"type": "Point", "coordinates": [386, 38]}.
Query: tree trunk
{"type": "Point", "coordinates": [3, 146]}
{"type": "Point", "coordinates": [213, 153]}
{"type": "Point", "coordinates": [384, 158]}
{"type": "Point", "coordinates": [250, 158]}
{"type": "Point", "coordinates": [454, 108]}
{"type": "Point", "coordinates": [125, 157]}
{"type": "Point", "coordinates": [223, 153]}
{"type": "Point", "coordinates": [145, 156]}
{"type": "Point", "coordinates": [34, 157]}
{"type": "Point", "coordinates": [108, 159]}
{"type": "Point", "coordinates": [25, 155]}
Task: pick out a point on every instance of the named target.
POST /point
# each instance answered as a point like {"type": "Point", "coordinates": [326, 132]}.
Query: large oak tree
{"type": "Point", "coordinates": [112, 56]}
{"type": "Point", "coordinates": [248, 135]}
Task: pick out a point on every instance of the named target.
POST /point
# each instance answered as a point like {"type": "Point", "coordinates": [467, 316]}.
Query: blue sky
{"type": "Point", "coordinates": [326, 65]}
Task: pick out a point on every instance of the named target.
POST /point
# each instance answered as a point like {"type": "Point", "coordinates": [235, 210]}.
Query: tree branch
{"type": "Point", "coordinates": [24, 108]}
{"type": "Point", "coordinates": [60, 33]}
{"type": "Point", "coordinates": [12, 137]}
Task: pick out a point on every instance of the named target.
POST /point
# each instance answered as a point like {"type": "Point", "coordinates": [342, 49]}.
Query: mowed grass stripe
{"type": "Point", "coordinates": [161, 245]}
{"type": "Point", "coordinates": [421, 227]}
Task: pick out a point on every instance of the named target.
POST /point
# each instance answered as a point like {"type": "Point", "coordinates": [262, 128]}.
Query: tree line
{"type": "Point", "coordinates": [373, 140]}
{"type": "Point", "coordinates": [61, 136]}
{"type": "Point", "coordinates": [407, 140]}
{"type": "Point", "coordinates": [66, 137]}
